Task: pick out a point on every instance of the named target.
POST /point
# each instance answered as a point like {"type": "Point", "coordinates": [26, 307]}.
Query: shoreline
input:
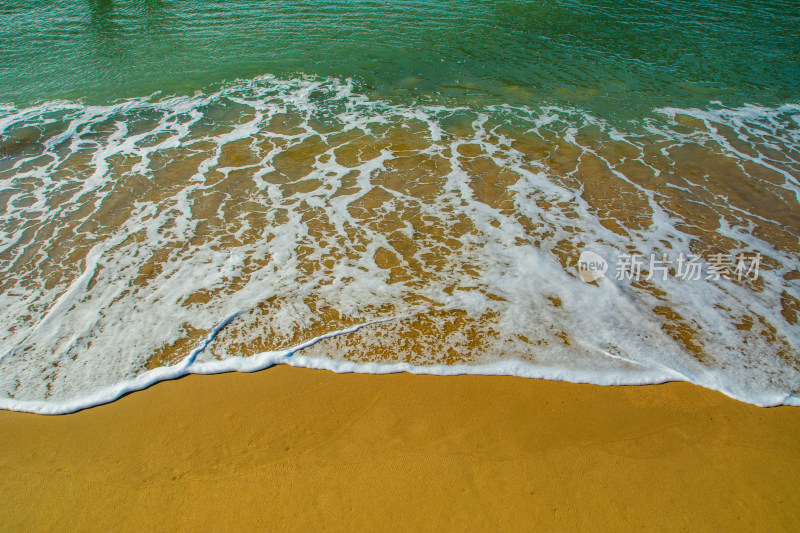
{"type": "Point", "coordinates": [300, 448]}
{"type": "Point", "coordinates": [259, 363]}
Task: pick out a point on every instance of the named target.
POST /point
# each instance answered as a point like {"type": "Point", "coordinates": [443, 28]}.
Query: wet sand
{"type": "Point", "coordinates": [298, 449]}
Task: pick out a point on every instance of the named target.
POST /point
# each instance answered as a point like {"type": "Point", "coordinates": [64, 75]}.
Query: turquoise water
{"type": "Point", "coordinates": [398, 186]}
{"type": "Point", "coordinates": [607, 56]}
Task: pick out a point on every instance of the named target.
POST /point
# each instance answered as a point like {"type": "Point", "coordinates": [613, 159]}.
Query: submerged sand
{"type": "Point", "coordinates": [299, 449]}
{"type": "Point", "coordinates": [129, 232]}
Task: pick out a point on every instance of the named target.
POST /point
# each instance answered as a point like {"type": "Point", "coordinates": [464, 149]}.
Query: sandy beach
{"type": "Point", "coordinates": [399, 266]}
{"type": "Point", "coordinates": [299, 449]}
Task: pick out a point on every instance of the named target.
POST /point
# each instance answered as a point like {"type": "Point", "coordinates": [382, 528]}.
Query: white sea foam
{"type": "Point", "coordinates": [109, 255]}
{"type": "Point", "coordinates": [290, 356]}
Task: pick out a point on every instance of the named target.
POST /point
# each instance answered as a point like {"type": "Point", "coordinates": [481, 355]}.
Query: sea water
{"type": "Point", "coordinates": [407, 186]}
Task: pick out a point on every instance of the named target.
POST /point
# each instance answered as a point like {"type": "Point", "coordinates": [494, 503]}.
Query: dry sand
{"type": "Point", "coordinates": [305, 450]}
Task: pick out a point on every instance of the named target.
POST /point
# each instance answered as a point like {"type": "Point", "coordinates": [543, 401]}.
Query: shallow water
{"type": "Point", "coordinates": [145, 236]}
{"type": "Point", "coordinates": [610, 59]}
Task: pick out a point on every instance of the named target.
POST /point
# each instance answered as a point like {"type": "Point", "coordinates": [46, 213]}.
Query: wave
{"type": "Point", "coordinates": [427, 238]}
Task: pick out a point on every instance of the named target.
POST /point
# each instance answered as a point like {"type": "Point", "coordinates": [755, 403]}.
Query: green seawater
{"type": "Point", "coordinates": [206, 186]}
{"type": "Point", "coordinates": [611, 58]}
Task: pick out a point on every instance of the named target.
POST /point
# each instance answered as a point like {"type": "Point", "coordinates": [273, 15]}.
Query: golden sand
{"type": "Point", "coordinates": [306, 450]}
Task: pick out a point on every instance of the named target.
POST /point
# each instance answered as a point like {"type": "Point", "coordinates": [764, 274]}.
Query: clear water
{"type": "Point", "coordinates": [602, 55]}
{"type": "Point", "coordinates": [369, 186]}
